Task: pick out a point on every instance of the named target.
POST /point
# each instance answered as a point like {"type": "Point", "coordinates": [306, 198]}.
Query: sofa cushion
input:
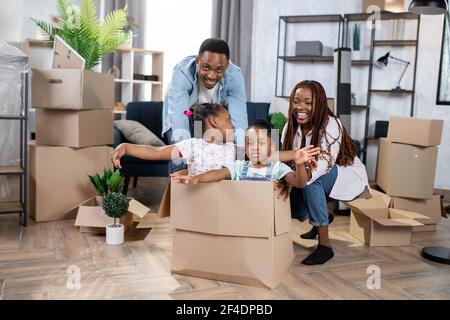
{"type": "Point", "coordinates": [136, 133]}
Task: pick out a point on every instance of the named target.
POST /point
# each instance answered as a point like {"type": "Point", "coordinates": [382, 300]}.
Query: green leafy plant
{"type": "Point", "coordinates": [111, 181]}
{"type": "Point", "coordinates": [115, 205]}
{"type": "Point", "coordinates": [278, 120]}
{"type": "Point", "coordinates": [84, 32]}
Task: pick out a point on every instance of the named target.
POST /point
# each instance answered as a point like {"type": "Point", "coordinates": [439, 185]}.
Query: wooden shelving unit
{"type": "Point", "coordinates": [342, 26]}
{"type": "Point", "coordinates": [127, 81]}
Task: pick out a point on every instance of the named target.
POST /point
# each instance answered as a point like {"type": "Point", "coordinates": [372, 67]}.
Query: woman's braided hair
{"type": "Point", "coordinates": [319, 121]}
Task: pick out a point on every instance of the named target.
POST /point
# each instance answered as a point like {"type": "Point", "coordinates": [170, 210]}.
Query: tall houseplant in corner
{"type": "Point", "coordinates": [84, 32]}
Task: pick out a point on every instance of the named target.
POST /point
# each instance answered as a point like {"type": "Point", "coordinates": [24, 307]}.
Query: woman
{"type": "Point", "coordinates": [337, 172]}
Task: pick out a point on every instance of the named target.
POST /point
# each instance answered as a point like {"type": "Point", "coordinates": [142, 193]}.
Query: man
{"type": "Point", "coordinates": [209, 77]}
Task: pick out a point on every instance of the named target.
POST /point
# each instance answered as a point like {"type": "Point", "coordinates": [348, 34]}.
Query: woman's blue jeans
{"type": "Point", "coordinates": [311, 201]}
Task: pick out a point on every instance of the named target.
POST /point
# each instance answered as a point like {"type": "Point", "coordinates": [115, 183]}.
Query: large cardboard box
{"type": "Point", "coordinates": [75, 129]}
{"type": "Point", "coordinates": [71, 89]}
{"type": "Point", "coordinates": [419, 132]}
{"type": "Point", "coordinates": [428, 207]}
{"type": "Point", "coordinates": [406, 171]}
{"type": "Point", "coordinates": [58, 179]}
{"type": "Point", "coordinates": [375, 224]}
{"type": "Point", "coordinates": [235, 231]}
{"type": "Point", "coordinates": [91, 217]}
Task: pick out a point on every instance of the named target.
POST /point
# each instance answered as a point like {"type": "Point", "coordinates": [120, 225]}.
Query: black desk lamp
{"type": "Point", "coordinates": [435, 253]}
{"type": "Point", "coordinates": [384, 60]}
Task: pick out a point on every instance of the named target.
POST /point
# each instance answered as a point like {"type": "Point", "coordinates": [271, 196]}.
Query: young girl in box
{"type": "Point", "coordinates": [258, 149]}
{"type": "Point", "coordinates": [201, 154]}
{"type": "Point", "coordinates": [338, 174]}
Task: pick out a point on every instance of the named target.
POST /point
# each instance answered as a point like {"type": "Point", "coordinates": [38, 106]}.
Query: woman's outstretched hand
{"type": "Point", "coordinates": [306, 154]}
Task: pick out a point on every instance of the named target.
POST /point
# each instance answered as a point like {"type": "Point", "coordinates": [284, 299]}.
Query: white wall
{"type": "Point", "coordinates": [15, 22]}
{"type": "Point", "coordinates": [177, 27]}
{"type": "Point", "coordinates": [265, 28]}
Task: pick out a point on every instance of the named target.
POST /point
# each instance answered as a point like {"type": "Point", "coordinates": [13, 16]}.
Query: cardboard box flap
{"type": "Point", "coordinates": [398, 222]}
{"type": "Point", "coordinates": [233, 208]}
{"type": "Point", "coordinates": [137, 208]}
{"type": "Point", "coordinates": [91, 214]}
{"type": "Point", "coordinates": [282, 214]}
{"type": "Point", "coordinates": [378, 200]}
{"type": "Point", "coordinates": [404, 214]}
{"type": "Point", "coordinates": [375, 207]}
{"type": "Point", "coordinates": [164, 206]}
{"type": "Point", "coordinates": [431, 208]}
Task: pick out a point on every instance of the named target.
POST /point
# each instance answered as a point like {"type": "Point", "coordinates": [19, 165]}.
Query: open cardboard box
{"type": "Point", "coordinates": [374, 222]}
{"type": "Point", "coordinates": [73, 89]}
{"type": "Point", "coordinates": [235, 231]}
{"type": "Point", "coordinates": [91, 217]}
{"type": "Point", "coordinates": [405, 170]}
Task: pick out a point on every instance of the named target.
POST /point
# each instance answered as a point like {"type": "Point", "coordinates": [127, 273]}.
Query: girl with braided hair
{"type": "Point", "coordinates": [336, 173]}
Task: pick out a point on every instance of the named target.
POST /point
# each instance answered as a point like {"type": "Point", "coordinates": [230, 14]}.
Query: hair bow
{"type": "Point", "coordinates": [188, 113]}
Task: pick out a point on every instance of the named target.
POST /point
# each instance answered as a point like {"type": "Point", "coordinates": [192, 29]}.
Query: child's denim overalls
{"type": "Point", "coordinates": [267, 177]}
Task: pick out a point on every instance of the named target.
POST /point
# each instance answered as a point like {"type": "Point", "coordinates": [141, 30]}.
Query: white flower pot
{"type": "Point", "coordinates": [114, 234]}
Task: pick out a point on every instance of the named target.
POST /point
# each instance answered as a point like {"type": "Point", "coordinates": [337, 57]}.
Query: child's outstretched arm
{"type": "Point", "coordinates": [290, 155]}
{"type": "Point", "coordinates": [209, 176]}
{"type": "Point", "coordinates": [144, 152]}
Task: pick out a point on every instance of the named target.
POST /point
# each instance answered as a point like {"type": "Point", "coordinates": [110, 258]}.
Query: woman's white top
{"type": "Point", "coordinates": [351, 180]}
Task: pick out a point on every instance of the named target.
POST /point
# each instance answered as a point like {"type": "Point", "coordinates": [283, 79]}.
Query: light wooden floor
{"type": "Point", "coordinates": [34, 262]}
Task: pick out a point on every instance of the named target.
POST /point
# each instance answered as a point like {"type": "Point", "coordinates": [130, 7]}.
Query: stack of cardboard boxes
{"type": "Point", "coordinates": [405, 172]}
{"type": "Point", "coordinates": [74, 125]}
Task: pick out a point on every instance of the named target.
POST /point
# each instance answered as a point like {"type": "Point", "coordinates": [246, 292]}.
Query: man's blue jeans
{"type": "Point", "coordinates": [311, 201]}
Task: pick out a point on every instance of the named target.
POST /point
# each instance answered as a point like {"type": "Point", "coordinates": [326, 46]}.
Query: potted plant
{"type": "Point", "coordinates": [115, 206]}
{"type": "Point", "coordinates": [278, 120]}
{"type": "Point", "coordinates": [111, 181]}
{"type": "Point", "coordinates": [84, 32]}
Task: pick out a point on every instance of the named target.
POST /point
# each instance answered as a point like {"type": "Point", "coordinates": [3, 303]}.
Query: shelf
{"type": "Point", "coordinates": [384, 15]}
{"type": "Point", "coordinates": [10, 207]}
{"type": "Point", "coordinates": [146, 82]}
{"type": "Point", "coordinates": [13, 117]}
{"type": "Point", "coordinates": [11, 170]}
{"type": "Point", "coordinates": [307, 58]}
{"type": "Point", "coordinates": [312, 18]}
{"type": "Point", "coordinates": [392, 91]}
{"type": "Point", "coordinates": [395, 43]}
{"type": "Point", "coordinates": [318, 59]}
{"type": "Point", "coordinates": [137, 81]}
{"type": "Point", "coordinates": [357, 106]}
{"type": "Point", "coordinates": [140, 51]}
